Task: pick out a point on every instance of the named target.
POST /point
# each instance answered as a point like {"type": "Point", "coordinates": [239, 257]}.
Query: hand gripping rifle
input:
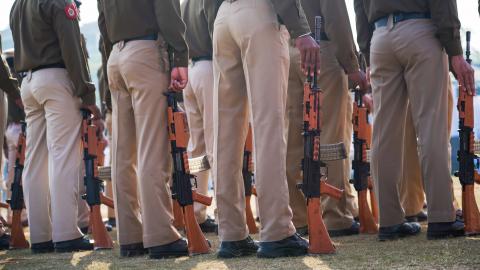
{"type": "Point", "coordinates": [17, 203]}
{"type": "Point", "coordinates": [94, 186]}
{"type": "Point", "coordinates": [247, 171]}
{"type": "Point", "coordinates": [466, 158]}
{"type": "Point", "coordinates": [314, 170]}
{"type": "Point", "coordinates": [362, 134]}
{"type": "Point", "coordinates": [182, 191]}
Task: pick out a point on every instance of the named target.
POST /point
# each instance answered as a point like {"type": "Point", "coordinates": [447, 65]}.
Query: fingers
{"type": "Point", "coordinates": [308, 62]}
{"type": "Point", "coordinates": [303, 54]}
{"type": "Point", "coordinates": [317, 62]}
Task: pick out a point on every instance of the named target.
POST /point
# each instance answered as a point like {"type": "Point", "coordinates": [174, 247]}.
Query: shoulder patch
{"type": "Point", "coordinates": [71, 11]}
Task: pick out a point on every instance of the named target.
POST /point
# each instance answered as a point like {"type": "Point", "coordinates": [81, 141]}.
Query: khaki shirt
{"type": "Point", "coordinates": [129, 19]}
{"type": "Point", "coordinates": [290, 13]}
{"type": "Point", "coordinates": [336, 25]}
{"type": "Point", "coordinates": [197, 34]}
{"type": "Point", "coordinates": [44, 34]}
{"type": "Point", "coordinates": [444, 15]}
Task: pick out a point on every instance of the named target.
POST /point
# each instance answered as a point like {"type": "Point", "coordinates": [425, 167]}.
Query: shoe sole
{"type": "Point", "coordinates": [40, 251]}
{"type": "Point", "coordinates": [66, 250]}
{"type": "Point", "coordinates": [385, 237]}
{"type": "Point", "coordinates": [241, 253]}
{"type": "Point", "coordinates": [284, 252]}
{"type": "Point", "coordinates": [167, 255]}
{"type": "Point", "coordinates": [342, 233]}
{"type": "Point", "coordinates": [443, 235]}
{"type": "Point", "coordinates": [132, 253]}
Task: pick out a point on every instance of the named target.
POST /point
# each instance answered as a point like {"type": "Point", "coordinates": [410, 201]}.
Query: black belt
{"type": "Point", "coordinates": [56, 65]}
{"type": "Point", "coordinates": [202, 58]}
{"type": "Point", "coordinates": [323, 36]}
{"type": "Point", "coordinates": [149, 37]}
{"type": "Point", "coordinates": [402, 16]}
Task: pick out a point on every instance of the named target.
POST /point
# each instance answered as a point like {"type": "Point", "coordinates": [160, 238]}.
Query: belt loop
{"type": "Point", "coordinates": [29, 76]}
{"type": "Point", "coordinates": [121, 45]}
{"type": "Point", "coordinates": [391, 22]}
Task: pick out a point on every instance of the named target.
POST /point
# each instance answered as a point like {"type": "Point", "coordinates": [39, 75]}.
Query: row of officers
{"type": "Point", "coordinates": [246, 62]}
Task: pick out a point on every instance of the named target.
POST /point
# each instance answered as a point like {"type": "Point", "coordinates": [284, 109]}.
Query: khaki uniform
{"type": "Point", "coordinates": [337, 58]}
{"type": "Point", "coordinates": [56, 84]}
{"type": "Point", "coordinates": [250, 65]}
{"type": "Point", "coordinates": [198, 95]}
{"type": "Point", "coordinates": [138, 74]}
{"type": "Point", "coordinates": [412, 194]}
{"type": "Point", "coordinates": [404, 55]}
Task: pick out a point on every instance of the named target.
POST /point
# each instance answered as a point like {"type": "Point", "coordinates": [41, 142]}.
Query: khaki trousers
{"type": "Point", "coordinates": [250, 75]}
{"type": "Point", "coordinates": [403, 57]}
{"type": "Point", "coordinates": [411, 188]}
{"type": "Point", "coordinates": [198, 101]}
{"type": "Point", "coordinates": [108, 185]}
{"type": "Point", "coordinates": [336, 127]}
{"type": "Point", "coordinates": [53, 165]}
{"type": "Point", "coordinates": [138, 79]}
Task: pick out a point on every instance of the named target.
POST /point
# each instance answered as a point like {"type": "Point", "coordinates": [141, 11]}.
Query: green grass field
{"type": "Point", "coordinates": [355, 252]}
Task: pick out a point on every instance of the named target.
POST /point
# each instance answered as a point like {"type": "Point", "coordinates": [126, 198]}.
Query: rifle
{"type": "Point", "coordinates": [362, 134]}
{"type": "Point", "coordinates": [247, 171]}
{"type": "Point", "coordinates": [182, 191]}
{"type": "Point", "coordinates": [314, 170]}
{"type": "Point", "coordinates": [17, 202]}
{"type": "Point", "coordinates": [94, 186]}
{"type": "Point", "coordinates": [466, 157]}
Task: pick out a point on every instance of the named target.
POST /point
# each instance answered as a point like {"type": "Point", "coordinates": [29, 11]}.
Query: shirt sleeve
{"type": "Point", "coordinates": [73, 54]}
{"type": "Point", "coordinates": [445, 17]}
{"type": "Point", "coordinates": [292, 15]}
{"type": "Point", "coordinates": [172, 29]}
{"type": "Point", "coordinates": [7, 83]}
{"type": "Point", "coordinates": [337, 28]}
{"type": "Point", "coordinates": [364, 30]}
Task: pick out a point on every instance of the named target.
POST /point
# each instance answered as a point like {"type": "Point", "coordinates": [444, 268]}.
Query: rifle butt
{"type": "Point", "coordinates": [199, 198]}
{"type": "Point", "coordinates": [373, 201]}
{"type": "Point", "coordinates": [18, 240]}
{"type": "Point", "coordinates": [252, 226]}
{"type": "Point", "coordinates": [197, 243]}
{"type": "Point", "coordinates": [327, 189]}
{"type": "Point", "coordinates": [107, 201]}
{"type": "Point", "coordinates": [319, 240]}
{"type": "Point", "coordinates": [471, 215]}
{"type": "Point", "coordinates": [100, 235]}
{"type": "Point", "coordinates": [477, 178]}
{"type": "Point", "coordinates": [367, 220]}
{"type": "Point", "coordinates": [178, 217]}
{"type": "Point", "coordinates": [254, 191]}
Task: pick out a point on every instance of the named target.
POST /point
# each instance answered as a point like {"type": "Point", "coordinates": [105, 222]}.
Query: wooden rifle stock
{"type": "Point", "coordinates": [17, 203]}
{"type": "Point", "coordinates": [362, 136]}
{"type": "Point", "coordinates": [248, 182]}
{"type": "Point", "coordinates": [182, 193]}
{"type": "Point", "coordinates": [326, 189]}
{"type": "Point", "coordinates": [319, 240]}
{"type": "Point", "coordinates": [93, 196]}
{"type": "Point", "coordinates": [4, 205]}
{"type": "Point", "coordinates": [466, 157]}
{"type": "Point", "coordinates": [106, 201]}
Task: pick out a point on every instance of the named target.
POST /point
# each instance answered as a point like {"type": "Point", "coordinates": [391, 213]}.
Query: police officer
{"type": "Point", "coordinates": [338, 64]}
{"type": "Point", "coordinates": [250, 60]}
{"type": "Point", "coordinates": [141, 32]}
{"type": "Point", "coordinates": [9, 86]}
{"type": "Point", "coordinates": [198, 97]}
{"type": "Point", "coordinates": [408, 50]}
{"type": "Point", "coordinates": [57, 84]}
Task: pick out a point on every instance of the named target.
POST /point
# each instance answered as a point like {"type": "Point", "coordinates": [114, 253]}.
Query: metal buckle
{"type": "Point", "coordinates": [476, 147]}
{"type": "Point", "coordinates": [105, 173]}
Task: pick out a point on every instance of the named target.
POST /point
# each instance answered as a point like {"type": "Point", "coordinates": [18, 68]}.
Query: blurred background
{"type": "Point", "coordinates": [468, 12]}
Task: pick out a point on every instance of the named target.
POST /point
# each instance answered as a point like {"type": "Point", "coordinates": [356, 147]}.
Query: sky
{"type": "Point", "coordinates": [467, 10]}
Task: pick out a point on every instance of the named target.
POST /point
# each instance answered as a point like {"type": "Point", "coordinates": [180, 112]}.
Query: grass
{"type": "Point", "coordinates": [354, 252]}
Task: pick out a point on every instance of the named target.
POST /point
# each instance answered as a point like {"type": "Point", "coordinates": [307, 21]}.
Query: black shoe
{"type": "Point", "coordinates": [112, 222]}
{"type": "Point", "coordinates": [43, 247]}
{"type": "Point", "coordinates": [209, 226]}
{"type": "Point", "coordinates": [401, 230]}
{"type": "Point", "coordinates": [84, 230]}
{"type": "Point", "coordinates": [354, 229]}
{"type": "Point", "coordinates": [420, 217]}
{"type": "Point", "coordinates": [175, 249]}
{"type": "Point", "coordinates": [288, 247]}
{"type": "Point", "coordinates": [5, 241]}
{"type": "Point", "coordinates": [302, 231]}
{"type": "Point", "coordinates": [78, 244]}
{"type": "Point", "coordinates": [132, 250]}
{"type": "Point", "coordinates": [445, 229]}
{"type": "Point", "coordinates": [235, 249]}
